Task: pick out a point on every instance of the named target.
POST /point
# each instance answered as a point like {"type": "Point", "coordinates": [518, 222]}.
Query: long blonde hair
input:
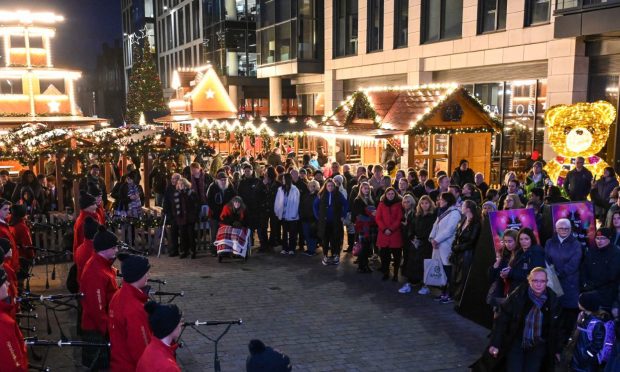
{"type": "Point", "coordinates": [419, 211]}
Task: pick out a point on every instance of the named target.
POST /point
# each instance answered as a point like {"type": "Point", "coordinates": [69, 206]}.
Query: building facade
{"type": "Point", "coordinates": [138, 20]}
{"type": "Point", "coordinates": [222, 33]}
{"type": "Point", "coordinates": [506, 52]}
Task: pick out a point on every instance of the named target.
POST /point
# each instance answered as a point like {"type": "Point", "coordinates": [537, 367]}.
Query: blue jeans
{"type": "Point", "coordinates": [309, 236]}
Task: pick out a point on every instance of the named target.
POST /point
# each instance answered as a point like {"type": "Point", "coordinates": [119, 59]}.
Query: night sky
{"type": "Point", "coordinates": [87, 25]}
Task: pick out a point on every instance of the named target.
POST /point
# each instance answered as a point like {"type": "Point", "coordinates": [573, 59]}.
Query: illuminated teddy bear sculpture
{"type": "Point", "coordinates": [576, 130]}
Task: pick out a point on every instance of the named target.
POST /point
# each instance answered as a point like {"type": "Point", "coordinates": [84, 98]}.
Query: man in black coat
{"type": "Point", "coordinates": [578, 181]}
{"type": "Point", "coordinates": [93, 176]}
{"type": "Point", "coordinates": [600, 269]}
{"type": "Point", "coordinates": [168, 209]}
{"type": "Point", "coordinates": [535, 307]}
{"type": "Point", "coordinates": [249, 191]}
{"type": "Point", "coordinates": [463, 174]}
{"type": "Point", "coordinates": [8, 186]}
{"type": "Point", "coordinates": [219, 194]}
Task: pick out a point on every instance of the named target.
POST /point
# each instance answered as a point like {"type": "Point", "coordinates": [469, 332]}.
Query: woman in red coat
{"type": "Point", "coordinates": [388, 219]}
{"type": "Point", "coordinates": [13, 355]}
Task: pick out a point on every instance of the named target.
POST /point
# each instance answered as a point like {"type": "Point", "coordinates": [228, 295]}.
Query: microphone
{"type": "Point", "coordinates": [158, 281]}
{"type": "Point", "coordinates": [31, 329]}
{"type": "Point", "coordinates": [125, 247]}
{"type": "Point", "coordinates": [160, 293]}
{"type": "Point", "coordinates": [212, 322]}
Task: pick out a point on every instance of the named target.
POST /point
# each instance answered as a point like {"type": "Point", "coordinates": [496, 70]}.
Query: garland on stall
{"type": "Point", "coordinates": [358, 106]}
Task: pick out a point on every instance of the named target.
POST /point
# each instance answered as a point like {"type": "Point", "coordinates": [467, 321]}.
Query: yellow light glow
{"type": "Point", "coordinates": [54, 106]}
{"type": "Point", "coordinates": [32, 31]}
{"type": "Point", "coordinates": [27, 17]}
{"type": "Point", "coordinates": [176, 81]}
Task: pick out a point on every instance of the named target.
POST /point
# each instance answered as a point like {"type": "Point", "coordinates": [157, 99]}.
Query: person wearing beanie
{"type": "Point", "coordinates": [93, 177]}
{"type": "Point", "coordinates": [88, 208]}
{"type": "Point", "coordinates": [129, 325]}
{"type": "Point", "coordinates": [87, 249]}
{"type": "Point", "coordinates": [98, 284]}
{"type": "Point", "coordinates": [166, 325]}
{"type": "Point", "coordinates": [23, 241]}
{"type": "Point", "coordinates": [600, 269]}
{"type": "Point", "coordinates": [13, 352]}
{"type": "Point", "coordinates": [5, 232]}
{"type": "Point", "coordinates": [587, 346]}
{"type": "Point", "coordinates": [95, 191]}
{"type": "Point", "coordinates": [266, 359]}
{"type": "Point", "coordinates": [6, 252]}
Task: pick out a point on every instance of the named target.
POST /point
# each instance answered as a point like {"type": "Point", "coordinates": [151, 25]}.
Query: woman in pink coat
{"type": "Point", "coordinates": [388, 219]}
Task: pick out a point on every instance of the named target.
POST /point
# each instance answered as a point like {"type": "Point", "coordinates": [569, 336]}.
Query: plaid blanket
{"type": "Point", "coordinates": [232, 240]}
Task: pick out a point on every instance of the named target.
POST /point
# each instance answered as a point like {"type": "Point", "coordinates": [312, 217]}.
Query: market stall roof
{"type": "Point", "coordinates": [52, 121]}
{"type": "Point", "coordinates": [200, 95]}
{"type": "Point", "coordinates": [273, 125]}
{"type": "Point", "coordinates": [434, 108]}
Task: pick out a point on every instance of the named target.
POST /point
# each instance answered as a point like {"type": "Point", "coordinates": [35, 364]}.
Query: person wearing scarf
{"type": "Point", "coordinates": [525, 334]}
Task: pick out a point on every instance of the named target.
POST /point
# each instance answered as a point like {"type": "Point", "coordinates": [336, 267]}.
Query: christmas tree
{"type": "Point", "coordinates": [145, 90]}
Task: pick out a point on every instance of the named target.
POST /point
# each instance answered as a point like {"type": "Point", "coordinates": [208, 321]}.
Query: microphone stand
{"type": "Point", "coordinates": [229, 323]}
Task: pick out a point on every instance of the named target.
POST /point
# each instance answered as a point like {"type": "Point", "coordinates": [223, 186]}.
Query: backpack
{"type": "Point", "coordinates": [610, 338]}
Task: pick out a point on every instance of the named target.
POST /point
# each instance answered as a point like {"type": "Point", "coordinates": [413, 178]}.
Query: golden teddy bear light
{"type": "Point", "coordinates": [576, 130]}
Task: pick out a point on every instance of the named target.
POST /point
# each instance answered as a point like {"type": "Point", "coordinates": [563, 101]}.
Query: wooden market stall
{"type": "Point", "coordinates": [415, 123]}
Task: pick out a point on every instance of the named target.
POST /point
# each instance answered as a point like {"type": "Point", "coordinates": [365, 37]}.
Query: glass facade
{"type": "Point", "coordinates": [492, 15]}
{"type": "Point", "coordinates": [311, 104]}
{"type": "Point", "coordinates": [375, 26]}
{"type": "Point", "coordinates": [441, 19]}
{"type": "Point", "coordinates": [520, 106]}
{"type": "Point", "coordinates": [288, 30]}
{"type": "Point", "coordinates": [345, 28]}
{"type": "Point", "coordinates": [401, 23]}
{"type": "Point", "coordinates": [229, 36]}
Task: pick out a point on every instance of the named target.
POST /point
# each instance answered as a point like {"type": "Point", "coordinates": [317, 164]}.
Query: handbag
{"type": "Point", "coordinates": [553, 282]}
{"type": "Point", "coordinates": [357, 248]}
{"type": "Point", "coordinates": [434, 275]}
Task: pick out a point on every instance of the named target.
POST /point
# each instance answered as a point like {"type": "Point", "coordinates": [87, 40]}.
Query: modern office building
{"type": "Point", "coordinates": [138, 19]}
{"type": "Point", "coordinates": [507, 52]}
{"type": "Point", "coordinates": [222, 33]}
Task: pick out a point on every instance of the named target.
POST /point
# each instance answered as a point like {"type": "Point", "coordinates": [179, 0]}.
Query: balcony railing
{"type": "Point", "coordinates": [569, 6]}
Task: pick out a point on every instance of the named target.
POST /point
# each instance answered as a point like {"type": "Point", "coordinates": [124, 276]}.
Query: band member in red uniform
{"type": "Point", "coordinates": [95, 191]}
{"type": "Point", "coordinates": [87, 249]}
{"type": "Point", "coordinates": [6, 253]}
{"type": "Point", "coordinates": [5, 231]}
{"type": "Point", "coordinates": [88, 208]}
{"type": "Point", "coordinates": [23, 241]}
{"type": "Point", "coordinates": [166, 324]}
{"type": "Point", "coordinates": [13, 355]}
{"type": "Point", "coordinates": [129, 324]}
{"type": "Point", "coordinates": [98, 283]}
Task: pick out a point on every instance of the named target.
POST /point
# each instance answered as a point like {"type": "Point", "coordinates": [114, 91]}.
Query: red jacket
{"type": "Point", "coordinates": [389, 217]}
{"type": "Point", "coordinates": [84, 252]}
{"type": "Point", "coordinates": [129, 328]}
{"type": "Point", "coordinates": [6, 233]}
{"type": "Point", "coordinates": [98, 283]}
{"type": "Point", "coordinates": [23, 239]}
{"type": "Point", "coordinates": [13, 355]}
{"type": "Point", "coordinates": [12, 278]}
{"type": "Point", "coordinates": [158, 357]}
{"type": "Point", "coordinates": [101, 214]}
{"type": "Point", "coordinates": [78, 228]}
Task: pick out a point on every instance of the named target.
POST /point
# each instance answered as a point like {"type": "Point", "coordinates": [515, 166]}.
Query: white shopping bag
{"type": "Point", "coordinates": [434, 275]}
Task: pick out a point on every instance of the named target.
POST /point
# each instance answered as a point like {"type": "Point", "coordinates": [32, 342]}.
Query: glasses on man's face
{"type": "Point", "coordinates": [562, 228]}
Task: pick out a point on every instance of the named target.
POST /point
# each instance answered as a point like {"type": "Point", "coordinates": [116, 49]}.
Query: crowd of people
{"type": "Point", "coordinates": [392, 220]}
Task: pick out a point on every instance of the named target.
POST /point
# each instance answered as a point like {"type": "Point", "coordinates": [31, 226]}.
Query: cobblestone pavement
{"type": "Point", "coordinates": [325, 318]}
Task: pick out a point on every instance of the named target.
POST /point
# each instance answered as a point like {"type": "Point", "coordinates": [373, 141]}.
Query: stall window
{"type": "Point", "coordinates": [431, 153]}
